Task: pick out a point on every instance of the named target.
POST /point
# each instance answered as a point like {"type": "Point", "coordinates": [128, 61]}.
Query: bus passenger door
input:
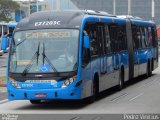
{"type": "Point", "coordinates": [102, 53]}
{"type": "Point", "coordinates": [143, 52]}
{"type": "Point", "coordinates": [115, 52]}
{"type": "Point", "coordinates": [136, 39]}
{"type": "Point", "coordinates": [136, 63]}
{"type": "Point", "coordinates": [113, 32]}
{"type": "Point", "coordinates": [107, 59]}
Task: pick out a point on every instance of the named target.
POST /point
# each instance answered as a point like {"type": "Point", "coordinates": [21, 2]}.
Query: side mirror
{"type": "Point", "coordinates": [86, 41]}
{"type": "Point", "coordinates": [86, 51]}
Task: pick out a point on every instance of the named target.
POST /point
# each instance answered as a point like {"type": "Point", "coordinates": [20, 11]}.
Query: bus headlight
{"type": "Point", "coordinates": [68, 81]}
{"type": "Point", "coordinates": [14, 83]}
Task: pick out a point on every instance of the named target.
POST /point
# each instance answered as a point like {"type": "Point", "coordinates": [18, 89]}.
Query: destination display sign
{"type": "Point", "coordinates": [46, 34]}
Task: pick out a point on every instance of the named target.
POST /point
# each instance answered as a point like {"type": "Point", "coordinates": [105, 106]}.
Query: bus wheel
{"type": "Point", "coordinates": [35, 101]}
{"type": "Point", "coordinates": [149, 71]}
{"type": "Point", "coordinates": [151, 68]}
{"type": "Point", "coordinates": [121, 80]}
{"type": "Point", "coordinates": [94, 92]}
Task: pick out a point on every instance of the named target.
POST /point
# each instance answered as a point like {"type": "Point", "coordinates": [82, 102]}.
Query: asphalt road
{"type": "Point", "coordinates": [142, 96]}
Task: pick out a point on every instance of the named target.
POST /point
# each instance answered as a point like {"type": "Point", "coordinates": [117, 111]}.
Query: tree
{"type": "Point", "coordinates": [7, 7]}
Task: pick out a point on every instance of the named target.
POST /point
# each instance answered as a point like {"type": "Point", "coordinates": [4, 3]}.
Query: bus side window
{"type": "Point", "coordinates": [153, 36]}
{"type": "Point", "coordinates": [113, 32]}
{"type": "Point", "coordinates": [156, 37]}
{"type": "Point", "coordinates": [150, 37]}
{"type": "Point", "coordinates": [92, 33]}
{"type": "Point", "coordinates": [147, 36]}
{"type": "Point", "coordinates": [122, 39]}
{"type": "Point", "coordinates": [107, 40]}
{"type": "Point", "coordinates": [143, 37]}
{"type": "Point", "coordinates": [136, 37]}
{"type": "Point", "coordinates": [94, 46]}
{"type": "Point", "coordinates": [90, 30]}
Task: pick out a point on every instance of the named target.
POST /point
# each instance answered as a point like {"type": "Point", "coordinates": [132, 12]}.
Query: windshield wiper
{"type": "Point", "coordinates": [36, 55]}
{"type": "Point", "coordinates": [46, 58]}
{"type": "Point", "coordinates": [21, 42]}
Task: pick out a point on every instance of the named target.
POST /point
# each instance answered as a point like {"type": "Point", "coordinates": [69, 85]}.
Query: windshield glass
{"type": "Point", "coordinates": [48, 50]}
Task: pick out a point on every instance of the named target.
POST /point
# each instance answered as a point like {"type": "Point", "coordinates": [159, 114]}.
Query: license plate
{"type": "Point", "coordinates": [40, 95]}
{"type": "Point", "coordinates": [41, 81]}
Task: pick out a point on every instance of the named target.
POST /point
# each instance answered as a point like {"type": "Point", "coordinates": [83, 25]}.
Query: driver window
{"type": "Point", "coordinates": [91, 31]}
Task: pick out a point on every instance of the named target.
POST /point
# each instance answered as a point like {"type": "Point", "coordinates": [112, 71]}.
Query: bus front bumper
{"type": "Point", "coordinates": [48, 94]}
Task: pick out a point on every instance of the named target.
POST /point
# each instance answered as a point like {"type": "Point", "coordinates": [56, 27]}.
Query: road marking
{"type": "Point", "coordinates": [97, 118]}
{"type": "Point", "coordinates": [141, 86]}
{"type": "Point", "coordinates": [148, 83]}
{"type": "Point", "coordinates": [136, 97]}
{"type": "Point", "coordinates": [75, 118]}
{"type": "Point", "coordinates": [117, 98]}
{"type": "Point", "coordinates": [3, 101]}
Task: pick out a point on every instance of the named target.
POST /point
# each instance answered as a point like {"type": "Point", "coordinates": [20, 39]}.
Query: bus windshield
{"type": "Point", "coordinates": [44, 51]}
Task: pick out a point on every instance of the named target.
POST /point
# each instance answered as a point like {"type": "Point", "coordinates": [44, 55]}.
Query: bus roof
{"type": "Point", "coordinates": [142, 22]}
{"type": "Point", "coordinates": [51, 19]}
{"type": "Point", "coordinates": [58, 19]}
{"type": "Point", "coordinates": [137, 20]}
{"type": "Point", "coordinates": [69, 19]}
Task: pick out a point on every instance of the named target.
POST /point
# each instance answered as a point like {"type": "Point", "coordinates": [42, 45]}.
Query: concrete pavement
{"type": "Point", "coordinates": [3, 65]}
{"type": "Point", "coordinates": [3, 93]}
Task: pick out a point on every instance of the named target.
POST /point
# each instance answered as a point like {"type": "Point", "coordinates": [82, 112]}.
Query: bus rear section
{"type": "Point", "coordinates": [145, 48]}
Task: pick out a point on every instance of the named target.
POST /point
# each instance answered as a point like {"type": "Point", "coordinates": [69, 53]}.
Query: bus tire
{"type": "Point", "coordinates": [121, 79]}
{"type": "Point", "coordinates": [152, 65]}
{"type": "Point", "coordinates": [35, 101]}
{"type": "Point", "coordinates": [92, 99]}
{"type": "Point", "coordinates": [149, 71]}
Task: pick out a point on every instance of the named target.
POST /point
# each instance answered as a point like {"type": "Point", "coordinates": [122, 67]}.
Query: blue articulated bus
{"type": "Point", "coordinates": [77, 54]}
{"type": "Point", "coordinates": [11, 27]}
{"type": "Point", "coordinates": [6, 39]}
{"type": "Point", "coordinates": [3, 33]}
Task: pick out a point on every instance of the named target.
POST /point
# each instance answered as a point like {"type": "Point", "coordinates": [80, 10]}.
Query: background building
{"type": "Point", "coordinates": [140, 8]}
{"type": "Point", "coordinates": [28, 7]}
